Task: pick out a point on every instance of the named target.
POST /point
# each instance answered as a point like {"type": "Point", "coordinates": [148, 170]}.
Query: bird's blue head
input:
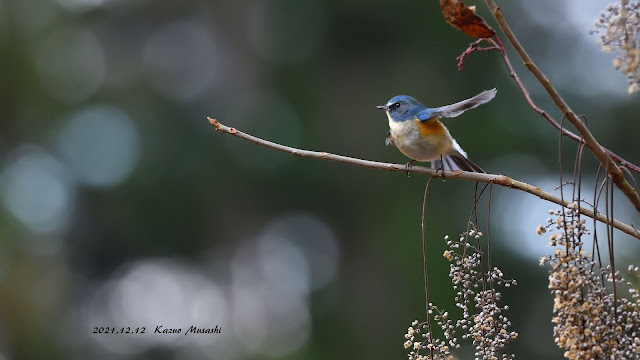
{"type": "Point", "coordinates": [402, 108]}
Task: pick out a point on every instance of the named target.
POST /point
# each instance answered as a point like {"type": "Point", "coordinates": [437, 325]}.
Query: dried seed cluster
{"type": "Point", "coordinates": [483, 320]}
{"type": "Point", "coordinates": [590, 321]}
{"type": "Point", "coordinates": [434, 348]}
{"type": "Point", "coordinates": [619, 29]}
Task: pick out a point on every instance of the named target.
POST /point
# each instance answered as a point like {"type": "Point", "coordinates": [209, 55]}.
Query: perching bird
{"type": "Point", "coordinates": [417, 132]}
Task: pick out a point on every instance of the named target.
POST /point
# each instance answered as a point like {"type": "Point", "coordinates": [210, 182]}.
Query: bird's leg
{"type": "Point", "coordinates": [407, 167]}
{"type": "Point", "coordinates": [441, 168]}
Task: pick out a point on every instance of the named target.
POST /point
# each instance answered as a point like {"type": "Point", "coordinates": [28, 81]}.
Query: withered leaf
{"type": "Point", "coordinates": [464, 18]}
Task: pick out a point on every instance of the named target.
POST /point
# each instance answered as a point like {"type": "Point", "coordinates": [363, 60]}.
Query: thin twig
{"type": "Point", "coordinates": [596, 198]}
{"type": "Point", "coordinates": [475, 47]}
{"type": "Point", "coordinates": [463, 175]}
{"type": "Point", "coordinates": [598, 151]}
{"type": "Point", "coordinates": [612, 263]}
{"type": "Point", "coordinates": [635, 182]}
{"type": "Point", "coordinates": [424, 262]}
{"type": "Point", "coordinates": [577, 189]}
{"type": "Point", "coordinates": [489, 234]}
{"type": "Point", "coordinates": [564, 216]}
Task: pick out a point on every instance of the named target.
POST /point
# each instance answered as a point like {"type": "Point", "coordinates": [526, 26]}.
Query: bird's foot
{"type": "Point", "coordinates": [407, 167]}
{"type": "Point", "coordinates": [441, 169]}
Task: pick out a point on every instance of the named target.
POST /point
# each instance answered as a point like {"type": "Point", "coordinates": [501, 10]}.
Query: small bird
{"type": "Point", "coordinates": [417, 132]}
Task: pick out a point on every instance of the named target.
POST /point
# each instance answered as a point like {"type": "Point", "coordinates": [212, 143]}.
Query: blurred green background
{"type": "Point", "coordinates": [121, 207]}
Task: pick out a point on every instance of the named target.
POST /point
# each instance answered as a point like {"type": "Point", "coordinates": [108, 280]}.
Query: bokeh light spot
{"type": "Point", "coordinates": [179, 59]}
{"type": "Point", "coordinates": [315, 240]}
{"type": "Point", "coordinates": [271, 282]}
{"type": "Point", "coordinates": [284, 265]}
{"type": "Point", "coordinates": [72, 64]}
{"type": "Point", "coordinates": [35, 190]}
{"type": "Point", "coordinates": [101, 145]}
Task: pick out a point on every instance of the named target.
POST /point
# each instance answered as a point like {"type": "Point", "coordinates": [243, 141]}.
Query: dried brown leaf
{"type": "Point", "coordinates": [464, 18]}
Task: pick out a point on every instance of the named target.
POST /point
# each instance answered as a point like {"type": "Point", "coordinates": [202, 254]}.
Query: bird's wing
{"type": "Point", "coordinates": [426, 114]}
{"type": "Point", "coordinates": [458, 108]}
{"type": "Point", "coordinates": [389, 140]}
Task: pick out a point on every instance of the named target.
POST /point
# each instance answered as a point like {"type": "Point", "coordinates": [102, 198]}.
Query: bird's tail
{"type": "Point", "coordinates": [454, 162]}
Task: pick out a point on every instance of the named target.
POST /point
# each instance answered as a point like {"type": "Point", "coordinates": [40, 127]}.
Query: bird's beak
{"type": "Point", "coordinates": [383, 107]}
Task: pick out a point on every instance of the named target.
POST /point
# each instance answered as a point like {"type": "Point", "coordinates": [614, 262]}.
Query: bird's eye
{"type": "Point", "coordinates": [396, 105]}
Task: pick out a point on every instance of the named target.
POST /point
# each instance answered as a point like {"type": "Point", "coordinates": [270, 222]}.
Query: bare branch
{"type": "Point", "coordinates": [462, 175]}
{"type": "Point", "coordinates": [598, 151]}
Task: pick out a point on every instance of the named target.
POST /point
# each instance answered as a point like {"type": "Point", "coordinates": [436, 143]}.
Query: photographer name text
{"type": "Point", "coordinates": [160, 329]}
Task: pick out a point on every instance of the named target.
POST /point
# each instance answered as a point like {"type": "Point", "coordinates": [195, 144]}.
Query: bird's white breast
{"type": "Point", "coordinates": [408, 139]}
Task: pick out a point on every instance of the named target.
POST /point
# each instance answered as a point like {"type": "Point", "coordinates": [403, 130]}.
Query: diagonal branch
{"type": "Point", "coordinates": [603, 156]}
{"type": "Point", "coordinates": [462, 175]}
{"type": "Point", "coordinates": [497, 45]}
